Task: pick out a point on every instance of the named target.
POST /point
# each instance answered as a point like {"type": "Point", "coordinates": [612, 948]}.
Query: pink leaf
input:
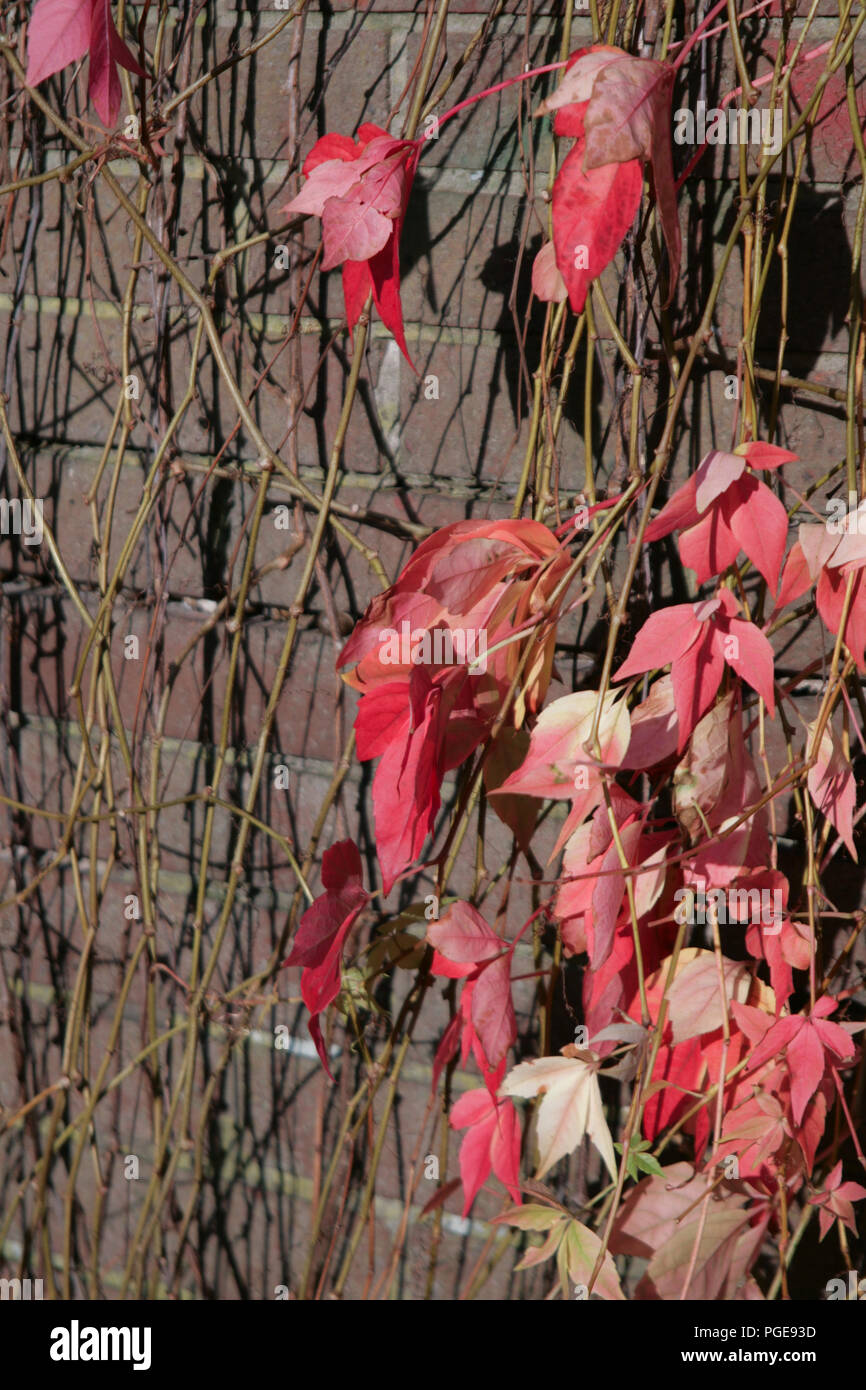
{"type": "Point", "coordinates": [106, 50]}
{"type": "Point", "coordinates": [592, 211]}
{"type": "Point", "coordinates": [608, 893]}
{"type": "Point", "coordinates": [579, 79]}
{"type": "Point", "coordinates": [832, 786]}
{"type": "Point", "coordinates": [796, 578]}
{"type": "Point", "coordinates": [759, 455]}
{"type": "Point", "coordinates": [664, 636]}
{"type": "Point", "coordinates": [352, 231]}
{"type": "Point", "coordinates": [654, 729]}
{"type": "Point", "coordinates": [696, 676]}
{"type": "Point", "coordinates": [751, 658]}
{"type": "Point", "coordinates": [806, 1064]}
{"type": "Point", "coordinates": [463, 935]}
{"type": "Point", "coordinates": [760, 523]}
{"type": "Point", "coordinates": [329, 178]}
{"type": "Point", "coordinates": [710, 546]}
{"type": "Point", "coordinates": [448, 1044]}
{"type": "Point", "coordinates": [695, 999]}
{"type": "Point", "coordinates": [715, 474]}
{"type": "Point", "coordinates": [58, 34]}
{"type": "Point", "coordinates": [547, 282]}
{"type": "Point", "coordinates": [322, 931]}
{"type": "Point", "coordinates": [493, 1010]}
{"type": "Point", "coordinates": [681, 510]}
{"type": "Point", "coordinates": [629, 117]}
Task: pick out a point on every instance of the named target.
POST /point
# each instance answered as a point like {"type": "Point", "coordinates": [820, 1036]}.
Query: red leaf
{"type": "Point", "coordinates": [698, 638]}
{"type": "Point", "coordinates": [832, 786]}
{"type": "Point", "coordinates": [493, 1010]}
{"type": "Point", "coordinates": [342, 900]}
{"type": "Point", "coordinates": [696, 675]}
{"type": "Point", "coordinates": [493, 1140]}
{"type": "Point", "coordinates": [62, 31]}
{"type": "Point", "coordinates": [752, 659]}
{"type": "Point", "coordinates": [323, 929]}
{"type": "Point", "coordinates": [106, 50]}
{"type": "Point", "coordinates": [805, 1039]}
{"type": "Point", "coordinates": [330, 147]}
{"type": "Point", "coordinates": [664, 636]}
{"type": "Point", "coordinates": [58, 34]}
{"type": "Point", "coordinates": [463, 935]}
{"type": "Point", "coordinates": [654, 728]}
{"type": "Point", "coordinates": [681, 510]}
{"type": "Point", "coordinates": [716, 473]}
{"type": "Point", "coordinates": [592, 211]}
{"type": "Point", "coordinates": [352, 231]}
{"type": "Point", "coordinates": [760, 523]}
{"type": "Point", "coordinates": [379, 723]}
{"type": "Point", "coordinates": [628, 118]}
{"type": "Point", "coordinates": [447, 1048]}
{"type": "Point", "coordinates": [723, 509]}
{"type": "Point", "coordinates": [761, 455]}
{"type": "Point", "coordinates": [361, 192]}
{"type": "Point", "coordinates": [406, 793]}
{"type": "Point", "coordinates": [608, 893]}
{"type": "Point", "coordinates": [806, 1065]}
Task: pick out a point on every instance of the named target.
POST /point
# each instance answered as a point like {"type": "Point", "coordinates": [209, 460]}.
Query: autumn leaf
{"type": "Point", "coordinates": [322, 931]}
{"type": "Point", "coordinates": [592, 211]}
{"type": "Point", "coordinates": [424, 714]}
{"type": "Point", "coordinates": [784, 944]}
{"type": "Point", "coordinates": [463, 936]}
{"type": "Point", "coordinates": [618, 109]}
{"type": "Point", "coordinates": [491, 1143]}
{"type": "Point", "coordinates": [592, 893]}
{"type": "Point", "coordinates": [654, 727]}
{"type": "Point", "coordinates": [466, 947]}
{"type": "Point", "coordinates": [832, 786]}
{"type": "Point", "coordinates": [834, 1201]}
{"type": "Point", "coordinates": [558, 764]}
{"type": "Point", "coordinates": [695, 1003]}
{"type": "Point", "coordinates": [575, 1244]}
{"type": "Point", "coordinates": [519, 813]}
{"type": "Point", "coordinates": [360, 190]}
{"type": "Point", "coordinates": [827, 557]}
{"type": "Point", "coordinates": [547, 281]}
{"type": "Point", "coordinates": [531, 1217]}
{"type": "Point", "coordinates": [570, 1109]}
{"type": "Point", "coordinates": [61, 32]}
{"type": "Point", "coordinates": [811, 1044]}
{"type": "Point", "coordinates": [629, 117]}
{"type": "Point", "coordinates": [723, 509]}
{"type": "Point", "coordinates": [696, 1250]}
{"type": "Point", "coordinates": [699, 639]}
{"type": "Point", "coordinates": [677, 1272]}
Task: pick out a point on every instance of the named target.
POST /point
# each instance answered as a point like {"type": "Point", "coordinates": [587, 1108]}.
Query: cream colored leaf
{"type": "Point", "coordinates": [570, 1108]}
